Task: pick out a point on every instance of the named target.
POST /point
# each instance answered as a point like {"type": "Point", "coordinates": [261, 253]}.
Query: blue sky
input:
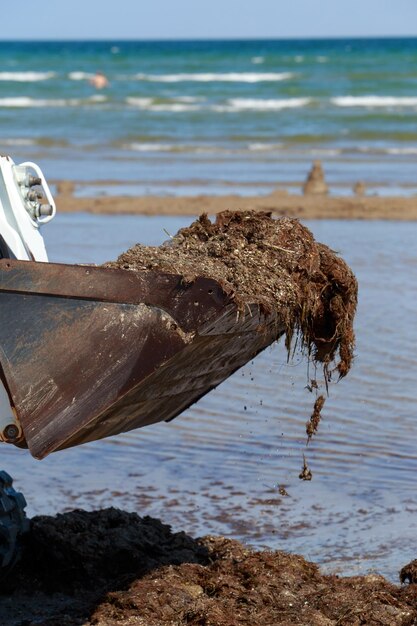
{"type": "Point", "coordinates": [170, 19]}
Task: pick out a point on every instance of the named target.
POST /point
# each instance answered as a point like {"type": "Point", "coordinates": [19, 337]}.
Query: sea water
{"type": "Point", "coordinates": [221, 466]}
{"type": "Point", "coordinates": [183, 117]}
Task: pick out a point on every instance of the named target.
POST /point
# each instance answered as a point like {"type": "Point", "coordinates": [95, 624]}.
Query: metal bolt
{"type": "Point", "coordinates": [11, 432]}
{"type": "Point", "coordinates": [34, 195]}
{"type": "Point", "coordinates": [45, 210]}
{"type": "Point", "coordinates": [33, 180]}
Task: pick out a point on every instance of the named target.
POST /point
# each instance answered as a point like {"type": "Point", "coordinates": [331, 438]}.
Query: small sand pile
{"type": "Point", "coordinates": [275, 263]}
{"type": "Point", "coordinates": [112, 568]}
{"type": "Point", "coordinates": [359, 189]}
{"type": "Point", "coordinates": [315, 183]}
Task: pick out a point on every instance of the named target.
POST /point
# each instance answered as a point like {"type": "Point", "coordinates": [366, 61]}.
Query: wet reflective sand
{"type": "Point", "coordinates": [218, 468]}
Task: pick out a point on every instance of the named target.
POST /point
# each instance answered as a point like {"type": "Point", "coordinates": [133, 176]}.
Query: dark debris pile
{"type": "Point", "coordinates": [112, 568]}
{"type": "Point", "coordinates": [275, 263]}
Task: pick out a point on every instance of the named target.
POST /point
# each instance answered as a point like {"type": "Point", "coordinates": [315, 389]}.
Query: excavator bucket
{"type": "Point", "coordinates": [88, 352]}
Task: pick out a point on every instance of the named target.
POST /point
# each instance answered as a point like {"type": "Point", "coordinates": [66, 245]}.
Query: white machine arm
{"type": "Point", "coordinates": [25, 204]}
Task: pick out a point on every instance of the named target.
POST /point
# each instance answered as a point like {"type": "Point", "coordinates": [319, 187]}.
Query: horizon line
{"type": "Point", "coordinates": [204, 39]}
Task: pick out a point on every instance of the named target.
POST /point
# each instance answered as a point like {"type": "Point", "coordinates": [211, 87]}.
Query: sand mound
{"type": "Point", "coordinates": [315, 183]}
{"type": "Point", "coordinates": [114, 568]}
{"type": "Point", "coordinates": [275, 263]}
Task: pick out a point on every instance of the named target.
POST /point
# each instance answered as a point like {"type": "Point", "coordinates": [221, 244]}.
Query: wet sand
{"type": "Point", "coordinates": [280, 203]}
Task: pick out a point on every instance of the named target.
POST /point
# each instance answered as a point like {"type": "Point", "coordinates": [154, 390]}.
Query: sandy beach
{"type": "Point", "coordinates": [279, 203]}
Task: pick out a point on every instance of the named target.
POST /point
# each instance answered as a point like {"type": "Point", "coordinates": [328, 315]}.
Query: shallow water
{"type": "Point", "coordinates": [217, 468]}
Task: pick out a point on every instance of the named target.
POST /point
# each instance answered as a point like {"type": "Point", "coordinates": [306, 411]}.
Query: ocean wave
{"type": "Point", "coordinates": [24, 102]}
{"type": "Point", "coordinates": [80, 75]}
{"type": "Point", "coordinates": [405, 150]}
{"type": "Point", "coordinates": [26, 77]}
{"type": "Point", "coordinates": [175, 107]}
{"type": "Point", "coordinates": [149, 104]}
{"type": "Point", "coordinates": [98, 97]}
{"type": "Point", "coordinates": [375, 101]}
{"type": "Point", "coordinates": [232, 105]}
{"type": "Point", "coordinates": [17, 141]}
{"type": "Point", "coordinates": [252, 104]}
{"type": "Point", "coordinates": [264, 147]}
{"type": "Point", "coordinates": [149, 147]}
{"type": "Point", "coordinates": [257, 60]}
{"type": "Point", "coordinates": [139, 102]}
{"type": "Point", "coordinates": [232, 77]}
{"type": "Point", "coordinates": [190, 99]}
{"type": "Point", "coordinates": [393, 150]}
{"type": "Point", "coordinates": [175, 147]}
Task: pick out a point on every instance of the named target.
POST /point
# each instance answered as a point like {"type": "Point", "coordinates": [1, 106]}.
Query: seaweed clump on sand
{"type": "Point", "coordinates": [274, 263]}
{"type": "Point", "coordinates": [112, 568]}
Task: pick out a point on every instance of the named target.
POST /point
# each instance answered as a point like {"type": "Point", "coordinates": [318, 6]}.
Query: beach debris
{"type": "Point", "coordinates": [111, 567]}
{"type": "Point", "coordinates": [409, 573]}
{"type": "Point", "coordinates": [315, 183]}
{"type": "Point", "coordinates": [275, 264]}
{"type": "Point", "coordinates": [359, 188]}
{"type": "Point", "coordinates": [306, 473]}
{"type": "Point", "coordinates": [312, 385]}
{"type": "Point", "coordinates": [314, 421]}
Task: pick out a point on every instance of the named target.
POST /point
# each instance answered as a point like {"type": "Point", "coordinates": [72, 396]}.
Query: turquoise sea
{"type": "Point", "coordinates": [182, 117]}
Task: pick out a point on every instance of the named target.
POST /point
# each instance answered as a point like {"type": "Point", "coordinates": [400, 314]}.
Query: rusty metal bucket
{"type": "Point", "coordinates": [88, 352]}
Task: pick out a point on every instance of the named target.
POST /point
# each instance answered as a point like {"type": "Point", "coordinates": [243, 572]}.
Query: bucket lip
{"type": "Point", "coordinates": [191, 303]}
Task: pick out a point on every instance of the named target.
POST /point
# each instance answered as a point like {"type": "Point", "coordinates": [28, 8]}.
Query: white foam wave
{"type": "Point", "coordinates": [139, 102]}
{"type": "Point", "coordinates": [17, 141]}
{"type": "Point", "coordinates": [174, 107]}
{"type": "Point", "coordinates": [190, 99]}
{"type": "Point", "coordinates": [26, 77]}
{"type": "Point", "coordinates": [264, 147]}
{"type": "Point", "coordinates": [233, 77]}
{"type": "Point", "coordinates": [393, 150]}
{"type": "Point", "coordinates": [98, 97]}
{"type": "Point", "coordinates": [405, 150]}
{"type": "Point", "coordinates": [232, 105]}
{"type": "Point", "coordinates": [324, 152]}
{"type": "Point", "coordinates": [80, 75]}
{"type": "Point", "coordinates": [21, 102]}
{"type": "Point", "coordinates": [26, 102]}
{"type": "Point", "coordinates": [168, 147]}
{"type": "Point", "coordinates": [252, 104]}
{"type": "Point", "coordinates": [375, 101]}
{"type": "Point", "coordinates": [149, 147]}
{"type": "Point", "coordinates": [150, 105]}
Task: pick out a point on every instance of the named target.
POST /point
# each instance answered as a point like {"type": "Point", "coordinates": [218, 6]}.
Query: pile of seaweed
{"type": "Point", "coordinates": [274, 263]}
{"type": "Point", "coordinates": [112, 568]}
